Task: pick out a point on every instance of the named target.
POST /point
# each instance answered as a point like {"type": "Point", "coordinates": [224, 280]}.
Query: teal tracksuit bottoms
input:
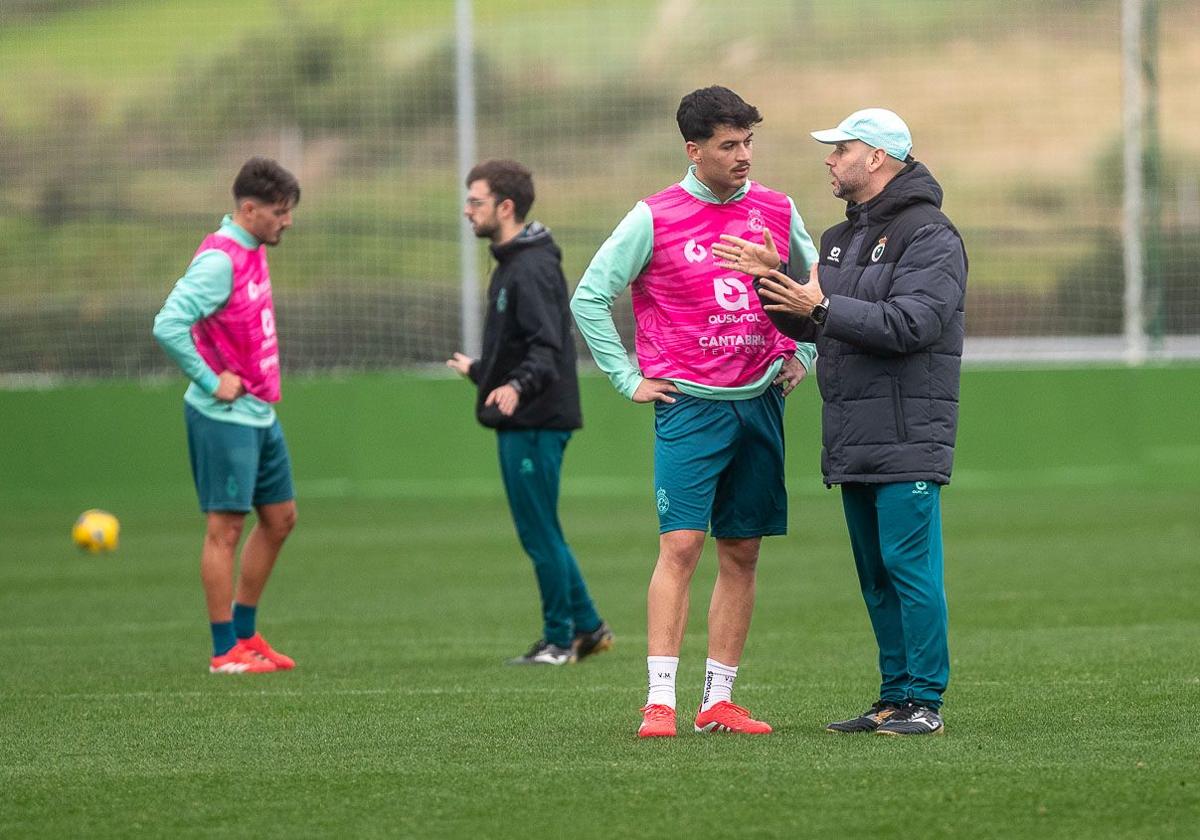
{"type": "Point", "coordinates": [531, 464]}
{"type": "Point", "coordinates": [896, 535]}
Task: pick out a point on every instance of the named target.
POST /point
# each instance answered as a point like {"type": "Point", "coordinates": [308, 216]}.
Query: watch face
{"type": "Point", "coordinates": [819, 312]}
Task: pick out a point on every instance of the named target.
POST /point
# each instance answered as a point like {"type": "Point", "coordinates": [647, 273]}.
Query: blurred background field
{"type": "Point", "coordinates": [122, 122]}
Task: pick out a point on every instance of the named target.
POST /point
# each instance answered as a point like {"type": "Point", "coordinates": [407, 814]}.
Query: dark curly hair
{"type": "Point", "coordinates": [701, 111]}
{"type": "Point", "coordinates": [267, 181]}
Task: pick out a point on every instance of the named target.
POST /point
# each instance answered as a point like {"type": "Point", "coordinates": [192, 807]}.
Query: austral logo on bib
{"type": "Point", "coordinates": [694, 252]}
{"type": "Point", "coordinates": [731, 293]}
{"type": "Point", "coordinates": [879, 246]}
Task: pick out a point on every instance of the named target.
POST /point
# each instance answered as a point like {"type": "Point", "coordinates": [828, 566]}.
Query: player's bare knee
{"type": "Point", "coordinates": [277, 521]}
{"type": "Point", "coordinates": [286, 522]}
{"type": "Point", "coordinates": [224, 531]}
{"type": "Point", "coordinates": [680, 550]}
{"type": "Point", "coordinates": [739, 556]}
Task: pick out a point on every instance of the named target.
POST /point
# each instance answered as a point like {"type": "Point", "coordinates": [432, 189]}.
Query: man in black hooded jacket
{"type": "Point", "coordinates": [885, 308]}
{"type": "Point", "coordinates": [529, 393]}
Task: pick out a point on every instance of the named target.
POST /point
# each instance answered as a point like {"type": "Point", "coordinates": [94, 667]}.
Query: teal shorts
{"type": "Point", "coordinates": [237, 467]}
{"type": "Point", "coordinates": [721, 462]}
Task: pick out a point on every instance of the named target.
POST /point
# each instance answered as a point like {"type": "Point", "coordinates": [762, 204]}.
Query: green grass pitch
{"type": "Point", "coordinates": [1072, 532]}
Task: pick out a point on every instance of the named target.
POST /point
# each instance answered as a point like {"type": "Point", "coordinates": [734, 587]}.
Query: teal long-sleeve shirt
{"type": "Point", "coordinates": [202, 290]}
{"type": "Point", "coordinates": [618, 263]}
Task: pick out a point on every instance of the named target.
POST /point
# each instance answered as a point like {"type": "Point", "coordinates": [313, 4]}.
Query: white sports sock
{"type": "Point", "coordinates": [661, 672]}
{"type": "Point", "coordinates": [718, 683]}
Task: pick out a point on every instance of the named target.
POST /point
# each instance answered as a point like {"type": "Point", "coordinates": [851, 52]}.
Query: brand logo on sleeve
{"type": "Point", "coordinates": [731, 293]}
{"type": "Point", "coordinates": [835, 255]}
{"type": "Point", "coordinates": [694, 252]}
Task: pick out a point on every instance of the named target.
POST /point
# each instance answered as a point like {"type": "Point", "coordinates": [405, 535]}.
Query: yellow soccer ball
{"type": "Point", "coordinates": [96, 531]}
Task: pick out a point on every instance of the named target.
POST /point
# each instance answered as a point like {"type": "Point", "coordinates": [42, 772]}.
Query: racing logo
{"type": "Point", "coordinates": [731, 293]}
{"type": "Point", "coordinates": [255, 290]}
{"type": "Point", "coordinates": [879, 246]}
{"type": "Point", "coordinates": [754, 220]}
{"type": "Point", "coordinates": [694, 252]}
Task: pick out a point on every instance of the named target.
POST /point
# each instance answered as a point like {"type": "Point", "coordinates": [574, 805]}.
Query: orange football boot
{"type": "Point", "coordinates": [239, 660]}
{"type": "Point", "coordinates": [658, 721]}
{"type": "Point", "coordinates": [257, 644]}
{"type": "Point", "coordinates": [727, 717]}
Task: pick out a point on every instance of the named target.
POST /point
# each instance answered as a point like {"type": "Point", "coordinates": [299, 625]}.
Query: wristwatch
{"type": "Point", "coordinates": [820, 312]}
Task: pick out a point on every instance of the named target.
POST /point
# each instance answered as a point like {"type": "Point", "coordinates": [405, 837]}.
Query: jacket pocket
{"type": "Point", "coordinates": [898, 407]}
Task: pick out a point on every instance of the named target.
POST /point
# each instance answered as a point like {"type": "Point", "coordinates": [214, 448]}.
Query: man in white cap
{"type": "Point", "coordinates": [885, 308]}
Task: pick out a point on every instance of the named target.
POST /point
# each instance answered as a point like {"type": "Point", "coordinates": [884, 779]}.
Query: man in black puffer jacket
{"type": "Point", "coordinates": [529, 393]}
{"type": "Point", "coordinates": [885, 308]}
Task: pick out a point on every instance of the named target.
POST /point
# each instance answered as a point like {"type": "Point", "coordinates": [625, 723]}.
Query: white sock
{"type": "Point", "coordinates": [718, 683]}
{"type": "Point", "coordinates": [661, 672]}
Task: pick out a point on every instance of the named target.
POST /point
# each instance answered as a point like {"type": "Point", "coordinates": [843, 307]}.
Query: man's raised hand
{"type": "Point", "coordinates": [746, 256]}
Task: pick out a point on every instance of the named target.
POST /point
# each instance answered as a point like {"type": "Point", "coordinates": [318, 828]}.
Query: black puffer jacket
{"type": "Point", "coordinates": [527, 337]}
{"type": "Point", "coordinates": [889, 354]}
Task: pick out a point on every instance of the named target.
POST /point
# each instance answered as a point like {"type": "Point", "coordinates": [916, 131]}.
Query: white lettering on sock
{"type": "Point", "coordinates": [718, 683]}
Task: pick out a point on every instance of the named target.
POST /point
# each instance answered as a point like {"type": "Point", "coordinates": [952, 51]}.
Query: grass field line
{"type": "Point", "coordinates": [464, 691]}
{"type": "Point", "coordinates": [426, 691]}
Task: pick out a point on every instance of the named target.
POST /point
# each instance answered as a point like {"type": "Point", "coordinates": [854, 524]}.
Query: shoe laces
{"type": "Point", "coordinates": [241, 653]}
{"type": "Point", "coordinates": [907, 711]}
{"type": "Point", "coordinates": [737, 711]}
{"type": "Point", "coordinates": [658, 711]}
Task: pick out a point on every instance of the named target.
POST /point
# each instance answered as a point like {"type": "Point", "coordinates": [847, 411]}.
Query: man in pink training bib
{"type": "Point", "coordinates": [218, 325]}
{"type": "Point", "coordinates": [717, 371]}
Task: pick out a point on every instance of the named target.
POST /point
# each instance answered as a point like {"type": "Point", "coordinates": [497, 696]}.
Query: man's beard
{"type": "Point", "coordinates": [847, 188]}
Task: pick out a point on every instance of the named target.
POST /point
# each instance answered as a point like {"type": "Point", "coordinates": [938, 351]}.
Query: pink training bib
{"type": "Point", "coordinates": [240, 336]}
{"type": "Point", "coordinates": [696, 321]}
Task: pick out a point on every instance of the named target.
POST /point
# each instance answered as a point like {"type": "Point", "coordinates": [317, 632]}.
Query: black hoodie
{"type": "Point", "coordinates": [527, 337]}
{"type": "Point", "coordinates": [889, 353]}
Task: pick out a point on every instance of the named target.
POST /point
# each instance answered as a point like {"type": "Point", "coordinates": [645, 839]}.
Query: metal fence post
{"type": "Point", "coordinates": [1133, 107]}
{"type": "Point", "coordinates": [464, 69]}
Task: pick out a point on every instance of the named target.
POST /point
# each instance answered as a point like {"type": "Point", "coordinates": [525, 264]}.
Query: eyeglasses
{"type": "Point", "coordinates": [478, 202]}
